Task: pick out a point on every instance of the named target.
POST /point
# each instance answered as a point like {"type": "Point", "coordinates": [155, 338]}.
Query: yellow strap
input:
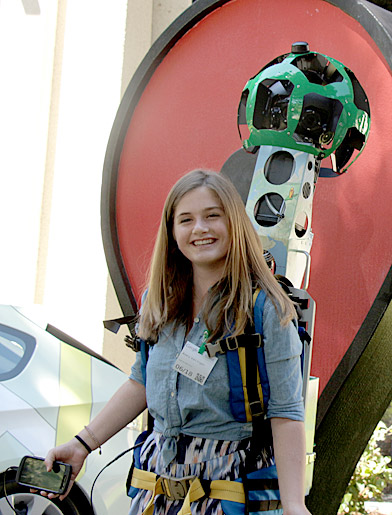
{"type": "Point", "coordinates": [195, 492]}
{"type": "Point", "coordinates": [227, 491]}
{"type": "Point", "coordinates": [255, 295]}
{"type": "Point", "coordinates": [149, 509]}
{"type": "Point", "coordinates": [242, 361]}
{"type": "Point", "coordinates": [220, 489]}
{"type": "Point", "coordinates": [143, 479]}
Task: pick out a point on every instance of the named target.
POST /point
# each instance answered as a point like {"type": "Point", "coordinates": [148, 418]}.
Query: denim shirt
{"type": "Point", "coordinates": [180, 405]}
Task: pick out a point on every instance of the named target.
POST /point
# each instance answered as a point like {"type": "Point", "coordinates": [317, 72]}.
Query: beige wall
{"type": "Point", "coordinates": [146, 20]}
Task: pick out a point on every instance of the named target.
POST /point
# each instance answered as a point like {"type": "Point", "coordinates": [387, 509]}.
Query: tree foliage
{"type": "Point", "coordinates": [371, 476]}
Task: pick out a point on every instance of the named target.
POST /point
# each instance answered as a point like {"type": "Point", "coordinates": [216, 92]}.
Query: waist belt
{"type": "Point", "coordinates": [191, 489]}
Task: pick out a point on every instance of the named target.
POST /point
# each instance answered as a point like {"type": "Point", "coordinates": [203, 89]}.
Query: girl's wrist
{"type": "Point", "coordinates": [81, 449]}
{"type": "Point", "coordinates": [93, 438]}
{"type": "Point", "coordinates": [88, 440]}
{"type": "Point", "coordinates": [84, 444]}
{"type": "Point", "coordinates": [295, 508]}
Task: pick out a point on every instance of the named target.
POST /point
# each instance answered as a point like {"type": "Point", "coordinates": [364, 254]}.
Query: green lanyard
{"type": "Point", "coordinates": [206, 334]}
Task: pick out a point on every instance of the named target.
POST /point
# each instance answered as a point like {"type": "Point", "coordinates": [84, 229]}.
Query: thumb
{"type": "Point", "coordinates": [50, 458]}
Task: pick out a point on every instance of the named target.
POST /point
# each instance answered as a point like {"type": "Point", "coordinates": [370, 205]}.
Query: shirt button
{"type": "Point", "coordinates": [172, 394]}
{"type": "Point", "coordinates": [196, 320]}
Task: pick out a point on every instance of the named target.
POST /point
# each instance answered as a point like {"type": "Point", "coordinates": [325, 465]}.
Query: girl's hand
{"type": "Point", "coordinates": [72, 453]}
{"type": "Point", "coordinates": [125, 405]}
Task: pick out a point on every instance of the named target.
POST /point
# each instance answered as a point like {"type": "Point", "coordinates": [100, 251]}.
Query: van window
{"type": "Point", "coordinates": [16, 349]}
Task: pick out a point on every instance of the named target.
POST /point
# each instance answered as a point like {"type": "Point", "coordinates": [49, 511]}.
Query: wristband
{"type": "Point", "coordinates": [87, 447]}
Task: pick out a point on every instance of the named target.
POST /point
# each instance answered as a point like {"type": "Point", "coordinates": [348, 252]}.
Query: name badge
{"type": "Point", "coordinates": [193, 365]}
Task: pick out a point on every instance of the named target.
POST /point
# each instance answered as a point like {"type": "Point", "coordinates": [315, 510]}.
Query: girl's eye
{"type": "Point", "coordinates": [213, 215]}
{"type": "Point", "coordinates": [184, 220]}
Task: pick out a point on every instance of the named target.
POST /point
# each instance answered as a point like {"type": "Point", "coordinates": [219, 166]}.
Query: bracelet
{"type": "Point", "coordinates": [94, 439]}
{"type": "Point", "coordinates": [87, 447]}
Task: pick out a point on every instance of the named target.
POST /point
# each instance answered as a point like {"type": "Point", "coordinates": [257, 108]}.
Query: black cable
{"type": "Point", "coordinates": [108, 465]}
{"type": "Point", "coordinates": [5, 489]}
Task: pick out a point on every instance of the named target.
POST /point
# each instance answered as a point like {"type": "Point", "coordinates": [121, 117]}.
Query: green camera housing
{"type": "Point", "coordinates": [309, 102]}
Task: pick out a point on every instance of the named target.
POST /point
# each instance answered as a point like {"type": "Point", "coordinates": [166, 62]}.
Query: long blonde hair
{"type": "Point", "coordinates": [229, 304]}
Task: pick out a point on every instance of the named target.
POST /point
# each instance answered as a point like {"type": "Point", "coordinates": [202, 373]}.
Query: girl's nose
{"type": "Point", "coordinates": [200, 225]}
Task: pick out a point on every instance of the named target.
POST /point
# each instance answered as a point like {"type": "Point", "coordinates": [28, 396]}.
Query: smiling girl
{"type": "Point", "coordinates": [206, 265]}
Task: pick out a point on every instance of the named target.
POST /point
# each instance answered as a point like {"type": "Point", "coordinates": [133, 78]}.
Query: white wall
{"type": "Point", "coordinates": [75, 281]}
{"type": "Point", "coordinates": [63, 71]}
{"type": "Point", "coordinates": [51, 242]}
{"type": "Point", "coordinates": [26, 61]}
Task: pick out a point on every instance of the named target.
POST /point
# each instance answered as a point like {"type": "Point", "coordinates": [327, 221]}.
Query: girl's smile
{"type": "Point", "coordinates": [203, 242]}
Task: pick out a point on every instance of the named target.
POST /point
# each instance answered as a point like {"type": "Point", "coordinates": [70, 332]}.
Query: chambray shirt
{"type": "Point", "coordinates": [180, 405]}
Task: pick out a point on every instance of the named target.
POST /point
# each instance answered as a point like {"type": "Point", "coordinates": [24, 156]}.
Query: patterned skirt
{"type": "Point", "coordinates": [200, 457]}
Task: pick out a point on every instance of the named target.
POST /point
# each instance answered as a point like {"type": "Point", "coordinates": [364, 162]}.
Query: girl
{"type": "Point", "coordinates": [206, 265]}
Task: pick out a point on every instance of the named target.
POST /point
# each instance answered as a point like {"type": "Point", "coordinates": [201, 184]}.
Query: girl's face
{"type": "Point", "coordinates": [201, 230]}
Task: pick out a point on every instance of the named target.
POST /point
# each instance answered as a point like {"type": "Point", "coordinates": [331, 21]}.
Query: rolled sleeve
{"type": "Point", "coordinates": [282, 349]}
{"type": "Point", "coordinates": [136, 370]}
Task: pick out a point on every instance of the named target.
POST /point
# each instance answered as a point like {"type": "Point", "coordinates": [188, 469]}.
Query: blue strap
{"type": "Point", "coordinates": [258, 311]}
{"type": "Point", "coordinates": [258, 321]}
{"type": "Point", "coordinates": [144, 356]}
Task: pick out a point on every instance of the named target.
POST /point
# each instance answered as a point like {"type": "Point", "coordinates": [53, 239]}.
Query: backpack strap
{"type": "Point", "coordinates": [256, 374]}
{"type": "Point", "coordinates": [144, 349]}
{"type": "Point", "coordinates": [249, 387]}
{"type": "Point", "coordinates": [259, 388]}
{"type": "Point", "coordinates": [258, 310]}
{"type": "Point", "coordinates": [259, 297]}
{"type": "Point", "coordinates": [234, 343]}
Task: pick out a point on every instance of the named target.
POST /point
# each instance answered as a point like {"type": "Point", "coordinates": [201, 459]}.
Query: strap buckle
{"type": "Point", "coordinates": [256, 408]}
{"type": "Point", "coordinates": [213, 348]}
{"type": "Point", "coordinates": [229, 343]}
{"type": "Point", "coordinates": [133, 342]}
{"type": "Point", "coordinates": [176, 489]}
{"type": "Point", "coordinates": [234, 342]}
